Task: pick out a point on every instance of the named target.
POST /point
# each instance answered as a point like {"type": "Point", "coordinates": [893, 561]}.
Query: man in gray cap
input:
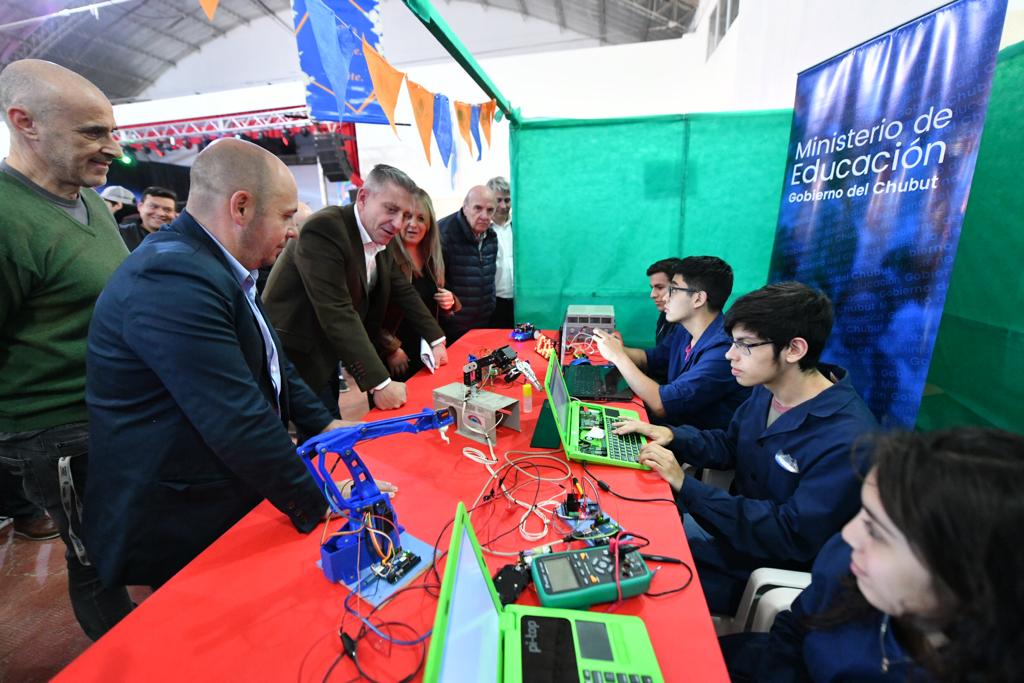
{"type": "Point", "coordinates": [116, 197]}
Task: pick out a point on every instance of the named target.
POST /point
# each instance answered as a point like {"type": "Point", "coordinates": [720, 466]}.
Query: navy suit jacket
{"type": "Point", "coordinates": [185, 438]}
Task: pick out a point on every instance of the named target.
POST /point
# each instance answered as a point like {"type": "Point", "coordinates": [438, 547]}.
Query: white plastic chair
{"type": "Point", "coordinates": [768, 591]}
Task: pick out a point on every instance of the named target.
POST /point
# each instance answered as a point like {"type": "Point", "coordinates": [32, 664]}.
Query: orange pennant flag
{"type": "Point", "coordinates": [423, 109]}
{"type": "Point", "coordinates": [486, 117]}
{"type": "Point", "coordinates": [387, 81]}
{"type": "Point", "coordinates": [210, 7]}
{"type": "Point", "coordinates": [463, 114]}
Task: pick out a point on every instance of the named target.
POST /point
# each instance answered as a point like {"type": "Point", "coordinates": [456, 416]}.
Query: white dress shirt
{"type": "Point", "coordinates": [504, 284]}
{"type": "Point", "coordinates": [370, 251]}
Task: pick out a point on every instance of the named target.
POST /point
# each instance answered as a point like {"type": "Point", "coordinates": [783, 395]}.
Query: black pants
{"type": "Point", "coordinates": [38, 458]}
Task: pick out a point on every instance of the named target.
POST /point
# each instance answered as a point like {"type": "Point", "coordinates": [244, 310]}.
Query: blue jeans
{"type": "Point", "coordinates": [52, 464]}
{"type": "Point", "coordinates": [723, 574]}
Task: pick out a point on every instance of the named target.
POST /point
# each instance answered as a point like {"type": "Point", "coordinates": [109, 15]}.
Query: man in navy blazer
{"type": "Point", "coordinates": [188, 392]}
{"type": "Point", "coordinates": [700, 390]}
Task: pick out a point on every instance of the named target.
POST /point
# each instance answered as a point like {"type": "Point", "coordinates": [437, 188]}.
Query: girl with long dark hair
{"type": "Point", "coordinates": [926, 583]}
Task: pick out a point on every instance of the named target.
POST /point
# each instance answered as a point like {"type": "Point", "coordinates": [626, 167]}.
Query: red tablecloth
{"type": "Point", "coordinates": [255, 606]}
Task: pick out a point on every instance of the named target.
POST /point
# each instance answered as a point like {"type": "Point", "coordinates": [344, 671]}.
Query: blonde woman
{"type": "Point", "coordinates": [417, 253]}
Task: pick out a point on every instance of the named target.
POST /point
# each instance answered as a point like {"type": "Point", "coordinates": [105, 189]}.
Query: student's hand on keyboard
{"type": "Point", "coordinates": [655, 433]}
{"type": "Point", "coordinates": [662, 461]}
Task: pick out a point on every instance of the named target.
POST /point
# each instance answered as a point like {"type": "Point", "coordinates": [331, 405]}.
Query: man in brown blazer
{"type": "Point", "coordinates": [328, 292]}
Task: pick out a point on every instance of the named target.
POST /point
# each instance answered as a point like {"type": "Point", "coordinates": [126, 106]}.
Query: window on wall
{"type": "Point", "coordinates": [722, 15]}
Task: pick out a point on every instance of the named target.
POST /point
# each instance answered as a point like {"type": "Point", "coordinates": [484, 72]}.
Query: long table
{"type": "Point", "coordinates": [255, 606]}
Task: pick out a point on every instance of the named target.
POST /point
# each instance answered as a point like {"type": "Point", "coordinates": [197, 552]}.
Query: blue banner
{"type": "Point", "coordinates": [881, 156]}
{"type": "Point", "coordinates": [329, 36]}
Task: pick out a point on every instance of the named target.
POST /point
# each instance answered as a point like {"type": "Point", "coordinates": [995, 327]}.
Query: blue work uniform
{"type": "Point", "coordinates": [849, 652]}
{"type": "Point", "coordinates": [796, 485]}
{"type": "Point", "coordinates": [660, 355]}
{"type": "Point", "coordinates": [700, 391]}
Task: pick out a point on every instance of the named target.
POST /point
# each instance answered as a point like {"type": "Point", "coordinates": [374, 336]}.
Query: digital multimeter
{"type": "Point", "coordinates": [581, 578]}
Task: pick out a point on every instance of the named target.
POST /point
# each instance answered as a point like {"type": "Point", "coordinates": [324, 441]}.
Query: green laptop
{"type": "Point", "coordinates": [476, 639]}
{"type": "Point", "coordinates": [586, 428]}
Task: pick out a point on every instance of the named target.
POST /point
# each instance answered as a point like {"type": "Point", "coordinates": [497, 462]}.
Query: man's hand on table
{"type": "Point", "coordinates": [663, 461]}
{"type": "Point", "coordinates": [654, 433]}
{"type": "Point", "coordinates": [345, 486]}
{"type": "Point", "coordinates": [338, 424]}
{"type": "Point", "coordinates": [610, 346]}
{"type": "Point", "coordinates": [440, 355]}
{"type": "Point", "coordinates": [390, 397]}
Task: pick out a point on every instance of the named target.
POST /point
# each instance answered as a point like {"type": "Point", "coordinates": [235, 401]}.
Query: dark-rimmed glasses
{"type": "Point", "coordinates": [673, 288]}
{"type": "Point", "coordinates": [746, 346]}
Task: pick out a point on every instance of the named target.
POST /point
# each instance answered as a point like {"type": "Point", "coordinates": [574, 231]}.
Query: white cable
{"type": "Point", "coordinates": [543, 510]}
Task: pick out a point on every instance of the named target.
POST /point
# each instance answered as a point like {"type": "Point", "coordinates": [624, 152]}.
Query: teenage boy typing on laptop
{"type": "Point", "coordinates": [700, 390]}
{"type": "Point", "coordinates": [789, 443]}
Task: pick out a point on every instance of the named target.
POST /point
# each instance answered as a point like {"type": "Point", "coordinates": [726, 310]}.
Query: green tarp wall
{"type": "Point", "coordinates": [597, 201]}
{"type": "Point", "coordinates": [977, 371]}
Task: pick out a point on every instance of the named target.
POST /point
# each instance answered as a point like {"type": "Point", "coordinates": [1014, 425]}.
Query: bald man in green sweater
{"type": "Point", "coordinates": [58, 247]}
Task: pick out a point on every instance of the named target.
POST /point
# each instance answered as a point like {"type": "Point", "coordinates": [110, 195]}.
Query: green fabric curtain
{"type": "Point", "coordinates": [597, 201]}
{"type": "Point", "coordinates": [977, 370]}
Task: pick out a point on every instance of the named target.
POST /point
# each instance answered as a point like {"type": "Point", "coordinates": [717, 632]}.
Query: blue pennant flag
{"type": "Point", "coordinates": [328, 35]}
{"type": "Point", "coordinates": [443, 127]}
{"type": "Point", "coordinates": [335, 43]}
{"type": "Point", "coordinates": [474, 128]}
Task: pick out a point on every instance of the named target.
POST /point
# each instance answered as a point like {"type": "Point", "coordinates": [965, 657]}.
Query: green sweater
{"type": "Point", "coordinates": [52, 268]}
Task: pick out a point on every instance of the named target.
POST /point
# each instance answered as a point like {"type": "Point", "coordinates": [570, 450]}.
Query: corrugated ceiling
{"type": "Point", "coordinates": [123, 48]}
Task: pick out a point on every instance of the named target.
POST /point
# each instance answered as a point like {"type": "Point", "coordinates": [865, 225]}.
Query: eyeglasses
{"type": "Point", "coordinates": [746, 346]}
{"type": "Point", "coordinates": [673, 288]}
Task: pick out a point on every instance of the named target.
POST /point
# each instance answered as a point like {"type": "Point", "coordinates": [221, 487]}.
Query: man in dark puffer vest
{"type": "Point", "coordinates": [470, 250]}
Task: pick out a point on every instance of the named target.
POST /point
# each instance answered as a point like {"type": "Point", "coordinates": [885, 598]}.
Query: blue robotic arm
{"type": "Point", "coordinates": [368, 512]}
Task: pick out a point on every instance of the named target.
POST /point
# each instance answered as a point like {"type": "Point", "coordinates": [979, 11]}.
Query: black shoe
{"type": "Point", "coordinates": [40, 528]}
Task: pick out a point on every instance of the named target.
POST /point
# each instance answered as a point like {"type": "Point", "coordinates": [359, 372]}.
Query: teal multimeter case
{"type": "Point", "coordinates": [581, 578]}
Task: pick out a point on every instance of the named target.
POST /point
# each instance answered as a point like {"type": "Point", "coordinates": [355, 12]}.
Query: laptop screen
{"type": "Point", "coordinates": [472, 640]}
{"type": "Point", "coordinates": [559, 399]}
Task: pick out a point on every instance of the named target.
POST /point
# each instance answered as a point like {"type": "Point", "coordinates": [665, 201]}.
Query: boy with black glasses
{"type": "Point", "coordinates": [789, 444]}
{"type": "Point", "coordinates": [699, 389]}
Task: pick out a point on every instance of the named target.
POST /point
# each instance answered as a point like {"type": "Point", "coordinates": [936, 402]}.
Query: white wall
{"type": "Point", "coordinates": [756, 64]}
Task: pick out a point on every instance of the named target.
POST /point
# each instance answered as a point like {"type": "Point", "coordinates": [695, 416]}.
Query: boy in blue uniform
{"type": "Point", "coordinates": [700, 390]}
{"type": "Point", "coordinates": [790, 445]}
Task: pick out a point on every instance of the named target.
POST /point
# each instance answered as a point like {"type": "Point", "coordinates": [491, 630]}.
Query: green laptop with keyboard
{"type": "Point", "coordinates": [476, 638]}
{"type": "Point", "coordinates": [585, 429]}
